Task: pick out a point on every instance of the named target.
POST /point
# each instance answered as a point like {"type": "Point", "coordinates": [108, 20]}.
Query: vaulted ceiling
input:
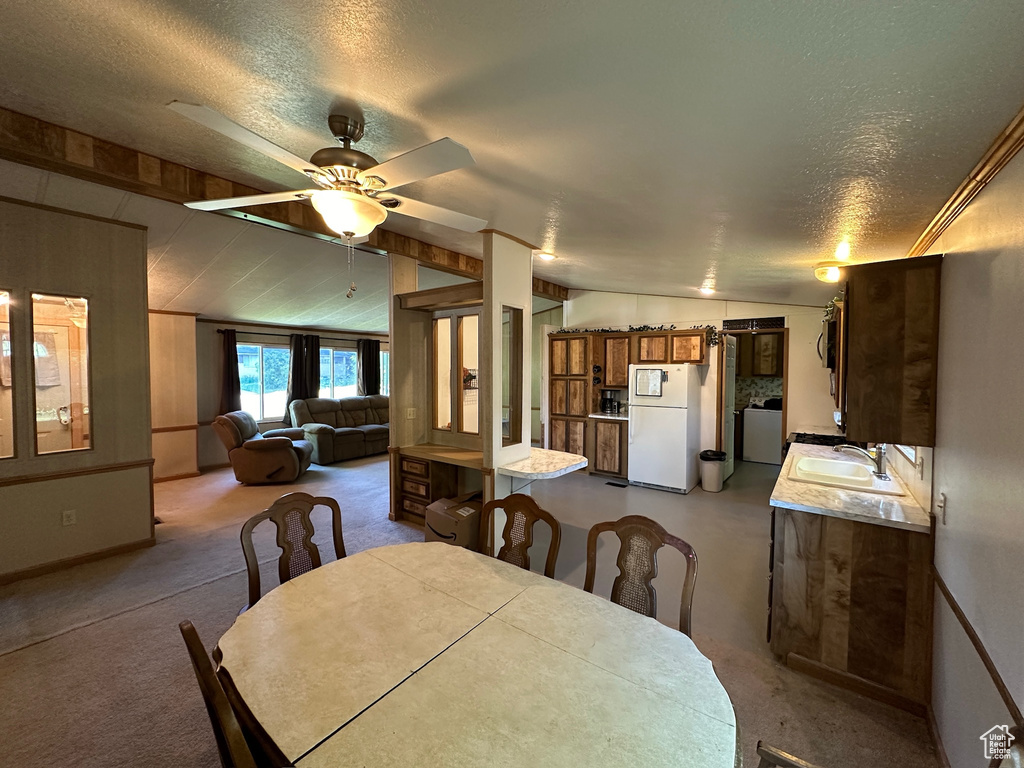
{"type": "Point", "coordinates": [650, 146]}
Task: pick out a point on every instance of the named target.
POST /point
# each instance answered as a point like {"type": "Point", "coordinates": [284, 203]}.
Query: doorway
{"type": "Point", "coordinates": [753, 396]}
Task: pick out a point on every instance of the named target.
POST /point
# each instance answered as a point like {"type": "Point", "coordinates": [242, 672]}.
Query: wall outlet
{"type": "Point", "coordinates": [410, 413]}
{"type": "Point", "coordinates": [68, 517]}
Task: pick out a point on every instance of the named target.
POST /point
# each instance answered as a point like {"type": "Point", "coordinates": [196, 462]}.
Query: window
{"type": "Point", "coordinates": [385, 373]}
{"type": "Point", "coordinates": [456, 375]}
{"type": "Point", "coordinates": [60, 359]}
{"type": "Point", "coordinates": [263, 374]}
{"type": "Point", "coordinates": [338, 372]}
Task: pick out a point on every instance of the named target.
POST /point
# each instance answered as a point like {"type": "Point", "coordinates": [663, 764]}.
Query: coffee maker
{"type": "Point", "coordinates": [610, 401]}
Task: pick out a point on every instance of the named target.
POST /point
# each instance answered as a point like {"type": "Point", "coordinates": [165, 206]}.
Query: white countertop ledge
{"type": "Point", "coordinates": [892, 511]}
{"type": "Point", "coordinates": [544, 464]}
{"type": "Point", "coordinates": [609, 416]}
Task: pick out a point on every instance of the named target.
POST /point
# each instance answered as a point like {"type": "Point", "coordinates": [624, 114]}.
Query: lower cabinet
{"type": "Point", "coordinates": [606, 446]}
{"type": "Point", "coordinates": [568, 435]}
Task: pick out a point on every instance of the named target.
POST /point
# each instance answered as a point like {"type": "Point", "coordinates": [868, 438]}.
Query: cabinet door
{"type": "Point", "coordinates": [616, 362]}
{"type": "Point", "coordinates": [767, 354]}
{"type": "Point", "coordinates": [559, 348]}
{"type": "Point", "coordinates": [892, 350]}
{"type": "Point", "coordinates": [574, 436]}
{"type": "Point", "coordinates": [558, 433]}
{"type": "Point", "coordinates": [577, 405]}
{"type": "Point", "coordinates": [607, 443]}
{"type": "Point", "coordinates": [687, 348]}
{"type": "Point", "coordinates": [654, 349]}
{"type": "Point", "coordinates": [559, 396]}
{"type": "Point", "coordinates": [577, 354]}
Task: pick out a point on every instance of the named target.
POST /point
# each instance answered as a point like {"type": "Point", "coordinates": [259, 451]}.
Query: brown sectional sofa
{"type": "Point", "coordinates": [343, 429]}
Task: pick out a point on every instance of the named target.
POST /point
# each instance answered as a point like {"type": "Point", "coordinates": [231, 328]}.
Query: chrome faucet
{"type": "Point", "coordinates": [878, 459]}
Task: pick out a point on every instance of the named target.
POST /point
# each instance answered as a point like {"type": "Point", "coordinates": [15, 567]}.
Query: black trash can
{"type": "Point", "coordinates": [711, 470]}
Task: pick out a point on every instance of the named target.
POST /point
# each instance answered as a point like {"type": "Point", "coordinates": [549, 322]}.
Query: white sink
{"type": "Point", "coordinates": [842, 474]}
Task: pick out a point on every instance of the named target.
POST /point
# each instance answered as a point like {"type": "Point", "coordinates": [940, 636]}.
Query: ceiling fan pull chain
{"type": "Point", "coordinates": [351, 258]}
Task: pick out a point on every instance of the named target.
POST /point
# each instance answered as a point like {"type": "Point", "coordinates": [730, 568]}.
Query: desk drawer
{"type": "Point", "coordinates": [414, 507]}
{"type": "Point", "coordinates": [415, 467]}
{"type": "Point", "coordinates": [416, 487]}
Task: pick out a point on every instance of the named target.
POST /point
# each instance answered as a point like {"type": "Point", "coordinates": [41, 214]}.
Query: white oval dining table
{"type": "Point", "coordinates": [432, 655]}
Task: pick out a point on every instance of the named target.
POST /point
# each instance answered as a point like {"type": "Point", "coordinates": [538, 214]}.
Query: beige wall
{"type": "Point", "coordinates": [68, 255]}
{"type": "Point", "coordinates": [978, 457]}
{"type": "Point", "coordinates": [809, 404]}
{"type": "Point", "coordinates": [172, 377]}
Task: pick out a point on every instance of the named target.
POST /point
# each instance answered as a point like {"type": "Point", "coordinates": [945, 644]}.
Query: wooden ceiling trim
{"type": "Point", "coordinates": [29, 141]}
{"type": "Point", "coordinates": [1002, 150]}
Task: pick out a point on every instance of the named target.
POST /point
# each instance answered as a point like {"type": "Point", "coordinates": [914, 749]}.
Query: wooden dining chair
{"type": "Point", "coordinates": [774, 758]}
{"type": "Point", "coordinates": [231, 744]}
{"type": "Point", "coordinates": [521, 514]}
{"type": "Point", "coordinates": [291, 515]}
{"type": "Point", "coordinates": [640, 538]}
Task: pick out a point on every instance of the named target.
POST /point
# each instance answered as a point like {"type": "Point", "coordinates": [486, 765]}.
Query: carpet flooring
{"type": "Point", "coordinates": [93, 671]}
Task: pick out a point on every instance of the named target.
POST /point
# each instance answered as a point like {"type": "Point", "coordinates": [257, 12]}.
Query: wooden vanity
{"type": "Point", "coordinates": [850, 587]}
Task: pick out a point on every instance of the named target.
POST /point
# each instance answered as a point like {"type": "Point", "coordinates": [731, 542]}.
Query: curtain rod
{"type": "Point", "coordinates": [288, 335]}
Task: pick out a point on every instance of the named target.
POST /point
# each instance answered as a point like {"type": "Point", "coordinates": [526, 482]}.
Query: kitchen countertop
{"type": "Point", "coordinates": [892, 511]}
{"type": "Point", "coordinates": [611, 416]}
{"type": "Point", "coordinates": [544, 464]}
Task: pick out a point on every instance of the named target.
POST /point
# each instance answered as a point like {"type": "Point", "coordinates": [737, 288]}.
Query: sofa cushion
{"type": "Point", "coordinates": [343, 435]}
{"type": "Point", "coordinates": [375, 431]}
{"type": "Point", "coordinates": [354, 412]}
{"type": "Point", "coordinates": [379, 405]}
{"type": "Point", "coordinates": [323, 410]}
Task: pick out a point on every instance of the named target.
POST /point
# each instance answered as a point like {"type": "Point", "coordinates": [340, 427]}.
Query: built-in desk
{"type": "Point", "coordinates": [427, 472]}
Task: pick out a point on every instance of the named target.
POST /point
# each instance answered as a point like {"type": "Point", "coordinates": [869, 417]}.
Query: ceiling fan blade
{"type": "Point", "coordinates": [435, 213]}
{"type": "Point", "coordinates": [217, 122]}
{"type": "Point", "coordinates": [429, 160]}
{"type": "Point", "coordinates": [242, 202]}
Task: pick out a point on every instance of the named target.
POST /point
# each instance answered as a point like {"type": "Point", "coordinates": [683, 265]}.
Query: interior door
{"type": "Point", "coordinates": [729, 405]}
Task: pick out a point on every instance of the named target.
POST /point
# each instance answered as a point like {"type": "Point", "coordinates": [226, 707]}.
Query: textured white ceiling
{"type": "Point", "coordinates": [650, 145]}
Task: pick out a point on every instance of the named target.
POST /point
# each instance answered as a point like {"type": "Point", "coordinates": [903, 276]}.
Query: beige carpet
{"type": "Point", "coordinates": [93, 671]}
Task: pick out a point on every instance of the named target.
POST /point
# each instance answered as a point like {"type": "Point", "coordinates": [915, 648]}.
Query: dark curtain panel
{"type": "Point", "coordinates": [369, 366]}
{"type": "Point", "coordinates": [230, 386]}
{"type": "Point", "coordinates": [303, 369]}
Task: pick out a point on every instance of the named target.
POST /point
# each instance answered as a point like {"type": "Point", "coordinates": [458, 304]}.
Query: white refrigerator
{"type": "Point", "coordinates": [664, 426]}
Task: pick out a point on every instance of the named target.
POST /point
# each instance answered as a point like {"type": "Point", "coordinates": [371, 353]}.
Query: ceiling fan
{"type": "Point", "coordinates": [353, 193]}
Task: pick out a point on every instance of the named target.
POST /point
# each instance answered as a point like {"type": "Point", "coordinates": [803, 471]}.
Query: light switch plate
{"type": "Point", "coordinates": [410, 413]}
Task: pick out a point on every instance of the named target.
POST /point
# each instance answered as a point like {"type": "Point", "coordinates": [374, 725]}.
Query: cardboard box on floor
{"type": "Point", "coordinates": [455, 521]}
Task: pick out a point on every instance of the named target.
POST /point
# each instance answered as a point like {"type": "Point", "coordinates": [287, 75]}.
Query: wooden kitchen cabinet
{"type": "Point", "coordinates": [653, 348]}
{"type": "Point", "coordinates": [687, 348]}
{"type": "Point", "coordinates": [607, 446]}
{"type": "Point", "coordinates": [851, 603]}
{"type": "Point", "coordinates": [577, 356]}
{"type": "Point", "coordinates": [568, 435]}
{"type": "Point", "coordinates": [616, 362]}
{"type": "Point", "coordinates": [891, 348]}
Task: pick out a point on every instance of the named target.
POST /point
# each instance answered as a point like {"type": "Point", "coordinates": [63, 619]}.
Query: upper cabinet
{"type": "Point", "coordinates": [892, 328]}
{"type": "Point", "coordinates": [569, 356]}
{"type": "Point", "coordinates": [653, 348]}
{"type": "Point", "coordinates": [616, 362]}
{"type": "Point", "coordinates": [687, 348]}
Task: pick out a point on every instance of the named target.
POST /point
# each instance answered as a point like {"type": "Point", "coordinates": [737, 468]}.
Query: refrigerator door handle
{"type": "Point", "coordinates": [631, 422]}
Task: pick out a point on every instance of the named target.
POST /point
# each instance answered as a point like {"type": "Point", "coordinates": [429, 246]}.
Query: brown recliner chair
{"type": "Point", "coordinates": [256, 459]}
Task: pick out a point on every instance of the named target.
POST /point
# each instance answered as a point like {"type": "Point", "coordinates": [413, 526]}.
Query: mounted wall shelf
{"type": "Point", "coordinates": [446, 297]}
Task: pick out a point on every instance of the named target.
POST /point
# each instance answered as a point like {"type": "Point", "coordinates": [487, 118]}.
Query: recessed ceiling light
{"type": "Point", "coordinates": [707, 290]}
{"type": "Point", "coordinates": [545, 256]}
{"type": "Point", "coordinates": [843, 251]}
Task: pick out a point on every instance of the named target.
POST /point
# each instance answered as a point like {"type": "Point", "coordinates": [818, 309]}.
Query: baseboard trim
{"type": "Point", "coordinates": [933, 731]}
{"type": "Point", "coordinates": [59, 565]}
{"type": "Point", "coordinates": [857, 684]}
{"type": "Point", "coordinates": [177, 477]}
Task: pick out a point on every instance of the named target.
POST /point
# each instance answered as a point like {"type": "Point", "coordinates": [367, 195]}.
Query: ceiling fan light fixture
{"type": "Point", "coordinates": [349, 213]}
{"type": "Point", "coordinates": [829, 271]}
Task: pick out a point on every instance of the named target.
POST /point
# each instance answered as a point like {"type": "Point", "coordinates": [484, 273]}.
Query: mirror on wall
{"type": "Point", "coordinates": [443, 373]}
{"type": "Point", "coordinates": [60, 365]}
{"type": "Point", "coordinates": [6, 380]}
{"type": "Point", "coordinates": [469, 377]}
{"type": "Point", "coordinates": [511, 375]}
